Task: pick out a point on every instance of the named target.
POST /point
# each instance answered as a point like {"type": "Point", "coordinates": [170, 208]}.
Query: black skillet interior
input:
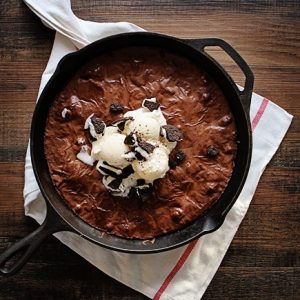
{"type": "Point", "coordinates": [61, 218]}
{"type": "Point", "coordinates": [215, 216]}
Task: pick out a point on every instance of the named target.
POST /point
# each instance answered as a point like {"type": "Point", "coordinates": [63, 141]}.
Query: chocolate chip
{"type": "Point", "coordinates": [140, 182]}
{"type": "Point", "coordinates": [114, 184]}
{"type": "Point", "coordinates": [177, 215]}
{"type": "Point", "coordinates": [98, 124]}
{"type": "Point", "coordinates": [176, 158]}
{"type": "Point", "coordinates": [130, 139]}
{"type": "Point", "coordinates": [173, 134]}
{"type": "Point", "coordinates": [116, 108]}
{"type": "Point", "coordinates": [146, 146]}
{"type": "Point", "coordinates": [212, 151]}
{"type": "Point", "coordinates": [151, 105]}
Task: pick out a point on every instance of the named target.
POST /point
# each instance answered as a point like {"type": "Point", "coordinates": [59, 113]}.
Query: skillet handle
{"type": "Point", "coordinates": [29, 244]}
{"type": "Point", "coordinates": [246, 94]}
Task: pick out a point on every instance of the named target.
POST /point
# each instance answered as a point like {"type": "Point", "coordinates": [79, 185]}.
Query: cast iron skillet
{"type": "Point", "coordinates": [61, 218]}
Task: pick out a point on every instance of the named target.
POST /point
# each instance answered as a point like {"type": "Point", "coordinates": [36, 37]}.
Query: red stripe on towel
{"type": "Point", "coordinates": [191, 245]}
{"type": "Point", "coordinates": [177, 267]}
{"type": "Point", "coordinates": [259, 113]}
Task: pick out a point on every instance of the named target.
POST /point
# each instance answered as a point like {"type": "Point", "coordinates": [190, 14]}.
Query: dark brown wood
{"type": "Point", "coordinates": [263, 259]}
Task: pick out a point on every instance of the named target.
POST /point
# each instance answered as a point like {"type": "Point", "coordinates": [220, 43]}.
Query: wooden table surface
{"type": "Point", "coordinates": [263, 259]}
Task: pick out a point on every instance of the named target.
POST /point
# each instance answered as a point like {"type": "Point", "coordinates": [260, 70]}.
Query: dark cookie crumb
{"type": "Point", "coordinates": [121, 123]}
{"type": "Point", "coordinates": [146, 146]}
{"type": "Point", "coordinates": [127, 171]}
{"type": "Point", "coordinates": [116, 108]}
{"type": "Point", "coordinates": [108, 172]}
{"type": "Point", "coordinates": [115, 183]}
{"type": "Point", "coordinates": [130, 139]}
{"type": "Point", "coordinates": [140, 182]}
{"type": "Point", "coordinates": [151, 105]}
{"type": "Point", "coordinates": [139, 156]}
{"type": "Point", "coordinates": [98, 124]}
{"type": "Point", "coordinates": [212, 151]}
{"type": "Point", "coordinates": [173, 134]}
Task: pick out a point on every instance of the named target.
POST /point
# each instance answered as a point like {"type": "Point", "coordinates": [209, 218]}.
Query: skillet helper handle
{"type": "Point", "coordinates": [245, 94]}
{"type": "Point", "coordinates": [30, 243]}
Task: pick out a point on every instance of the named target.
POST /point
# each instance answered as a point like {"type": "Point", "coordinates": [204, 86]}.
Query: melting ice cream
{"type": "Point", "coordinates": [131, 152]}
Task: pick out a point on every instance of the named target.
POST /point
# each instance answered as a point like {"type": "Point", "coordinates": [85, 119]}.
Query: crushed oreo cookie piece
{"type": "Point", "coordinates": [114, 184]}
{"type": "Point", "coordinates": [116, 108]}
{"type": "Point", "coordinates": [146, 146]}
{"type": "Point", "coordinates": [139, 156]}
{"type": "Point", "coordinates": [151, 105]}
{"type": "Point", "coordinates": [130, 139]}
{"type": "Point", "coordinates": [98, 124]}
{"type": "Point", "coordinates": [108, 171]}
{"type": "Point", "coordinates": [176, 158]}
{"type": "Point", "coordinates": [173, 134]}
{"type": "Point", "coordinates": [127, 171]}
{"type": "Point", "coordinates": [212, 151]}
{"type": "Point", "coordinates": [129, 156]}
{"type": "Point", "coordinates": [140, 182]}
{"type": "Point", "coordinates": [121, 123]}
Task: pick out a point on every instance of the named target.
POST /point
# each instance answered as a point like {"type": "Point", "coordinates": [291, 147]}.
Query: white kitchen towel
{"type": "Point", "coordinates": [183, 273]}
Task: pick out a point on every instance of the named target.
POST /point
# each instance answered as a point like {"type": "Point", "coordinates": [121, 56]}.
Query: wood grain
{"type": "Point", "coordinates": [263, 259]}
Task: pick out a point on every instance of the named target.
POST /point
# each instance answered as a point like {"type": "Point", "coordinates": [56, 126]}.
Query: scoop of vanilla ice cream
{"type": "Point", "coordinates": [146, 127]}
{"type": "Point", "coordinates": [146, 123]}
{"type": "Point", "coordinates": [155, 166]}
{"type": "Point", "coordinates": [111, 148]}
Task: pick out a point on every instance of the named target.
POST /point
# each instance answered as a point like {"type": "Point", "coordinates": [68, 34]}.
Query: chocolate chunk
{"type": "Point", "coordinates": [210, 191]}
{"type": "Point", "coordinates": [114, 184]}
{"type": "Point", "coordinates": [173, 134]}
{"type": "Point", "coordinates": [130, 139]}
{"type": "Point", "coordinates": [146, 146]}
{"type": "Point", "coordinates": [151, 105]}
{"type": "Point", "coordinates": [212, 151]}
{"type": "Point", "coordinates": [140, 182]}
{"type": "Point", "coordinates": [116, 108]}
{"type": "Point", "coordinates": [176, 158]}
{"type": "Point", "coordinates": [180, 156]}
{"type": "Point", "coordinates": [127, 171]}
{"type": "Point", "coordinates": [98, 124]}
